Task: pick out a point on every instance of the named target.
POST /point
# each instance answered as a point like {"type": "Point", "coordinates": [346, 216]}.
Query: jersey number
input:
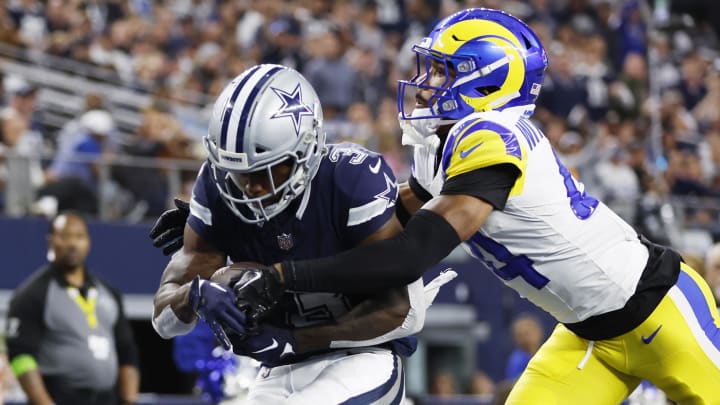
{"type": "Point", "coordinates": [582, 205]}
{"type": "Point", "coordinates": [358, 155]}
{"type": "Point", "coordinates": [503, 263]}
{"type": "Point", "coordinates": [314, 308]}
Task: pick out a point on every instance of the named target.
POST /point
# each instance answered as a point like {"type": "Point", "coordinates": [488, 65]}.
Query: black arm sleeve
{"type": "Point", "coordinates": [422, 194]}
{"type": "Point", "coordinates": [402, 214]}
{"type": "Point", "coordinates": [491, 184]}
{"type": "Point", "coordinates": [388, 263]}
{"type": "Point", "coordinates": [25, 321]}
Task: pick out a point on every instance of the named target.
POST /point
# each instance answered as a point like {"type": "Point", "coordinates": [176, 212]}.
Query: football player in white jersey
{"type": "Point", "coordinates": [628, 309]}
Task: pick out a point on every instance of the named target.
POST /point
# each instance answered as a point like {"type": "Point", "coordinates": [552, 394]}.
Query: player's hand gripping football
{"type": "Point", "coordinates": [167, 232]}
{"type": "Point", "coordinates": [257, 288]}
{"type": "Point", "coordinates": [217, 306]}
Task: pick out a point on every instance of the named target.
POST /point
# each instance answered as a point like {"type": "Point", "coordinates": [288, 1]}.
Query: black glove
{"type": "Point", "coordinates": [258, 290]}
{"type": "Point", "coordinates": [167, 232]}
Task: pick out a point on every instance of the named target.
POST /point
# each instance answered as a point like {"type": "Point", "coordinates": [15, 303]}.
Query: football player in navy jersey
{"type": "Point", "coordinates": [628, 309]}
{"type": "Point", "coordinates": [272, 190]}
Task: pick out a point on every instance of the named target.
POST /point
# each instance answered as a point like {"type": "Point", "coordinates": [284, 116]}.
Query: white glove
{"type": "Point", "coordinates": [433, 287]}
{"type": "Point", "coordinates": [419, 302]}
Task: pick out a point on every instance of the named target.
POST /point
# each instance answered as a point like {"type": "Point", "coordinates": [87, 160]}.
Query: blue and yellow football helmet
{"type": "Point", "coordinates": [492, 61]}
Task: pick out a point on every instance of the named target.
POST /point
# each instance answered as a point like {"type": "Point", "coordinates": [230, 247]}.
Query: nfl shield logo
{"type": "Point", "coordinates": [285, 241]}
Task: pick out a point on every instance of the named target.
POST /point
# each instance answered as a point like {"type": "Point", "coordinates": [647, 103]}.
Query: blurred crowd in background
{"type": "Point", "coordinates": [630, 100]}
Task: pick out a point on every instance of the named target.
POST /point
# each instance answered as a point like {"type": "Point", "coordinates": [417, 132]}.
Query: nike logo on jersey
{"type": "Point", "coordinates": [272, 345]}
{"type": "Point", "coordinates": [650, 338]}
{"type": "Point", "coordinates": [464, 153]}
{"type": "Point", "coordinates": [375, 169]}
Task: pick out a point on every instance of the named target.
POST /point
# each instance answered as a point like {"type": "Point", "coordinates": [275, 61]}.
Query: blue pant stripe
{"type": "Point", "coordinates": [699, 305]}
{"type": "Point", "coordinates": [400, 394]}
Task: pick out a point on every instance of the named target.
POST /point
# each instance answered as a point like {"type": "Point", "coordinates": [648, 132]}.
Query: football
{"type": "Point", "coordinates": [225, 275]}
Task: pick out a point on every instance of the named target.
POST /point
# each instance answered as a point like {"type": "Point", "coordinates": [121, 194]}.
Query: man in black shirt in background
{"type": "Point", "coordinates": [68, 340]}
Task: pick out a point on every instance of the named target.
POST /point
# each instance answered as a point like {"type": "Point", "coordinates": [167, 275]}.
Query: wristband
{"type": "Point", "coordinates": [23, 363]}
{"type": "Point", "coordinates": [168, 325]}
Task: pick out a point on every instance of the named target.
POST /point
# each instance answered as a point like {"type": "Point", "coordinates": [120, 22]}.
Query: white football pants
{"type": "Point", "coordinates": [361, 376]}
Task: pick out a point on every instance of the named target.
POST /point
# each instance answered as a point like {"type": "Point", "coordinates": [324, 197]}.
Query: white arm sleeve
{"type": "Point", "coordinates": [168, 325]}
{"type": "Point", "coordinates": [420, 297]}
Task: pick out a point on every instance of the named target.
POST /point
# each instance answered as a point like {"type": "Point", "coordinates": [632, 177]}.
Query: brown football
{"type": "Point", "coordinates": [225, 274]}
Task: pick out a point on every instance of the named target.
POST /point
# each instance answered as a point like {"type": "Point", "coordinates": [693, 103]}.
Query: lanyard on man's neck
{"type": "Point", "coordinates": [87, 305]}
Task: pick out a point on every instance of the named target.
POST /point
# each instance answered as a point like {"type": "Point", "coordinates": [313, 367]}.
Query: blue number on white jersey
{"type": "Point", "coordinates": [506, 265]}
{"type": "Point", "coordinates": [582, 204]}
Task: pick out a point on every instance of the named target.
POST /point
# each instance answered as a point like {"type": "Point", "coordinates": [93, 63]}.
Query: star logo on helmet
{"type": "Point", "coordinates": [292, 107]}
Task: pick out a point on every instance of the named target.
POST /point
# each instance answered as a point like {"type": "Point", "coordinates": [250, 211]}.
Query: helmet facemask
{"type": "Point", "coordinates": [304, 163]}
{"type": "Point", "coordinates": [465, 78]}
{"type": "Point", "coordinates": [440, 102]}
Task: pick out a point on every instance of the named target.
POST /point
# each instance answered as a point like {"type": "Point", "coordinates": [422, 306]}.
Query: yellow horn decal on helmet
{"type": "Point", "coordinates": [513, 81]}
{"type": "Point", "coordinates": [456, 35]}
{"type": "Point", "coordinates": [459, 33]}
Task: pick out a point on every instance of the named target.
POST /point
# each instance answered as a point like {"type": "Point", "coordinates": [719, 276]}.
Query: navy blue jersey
{"type": "Point", "coordinates": [350, 198]}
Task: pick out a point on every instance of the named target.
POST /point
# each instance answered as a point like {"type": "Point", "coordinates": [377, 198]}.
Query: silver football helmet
{"type": "Point", "coordinates": [268, 115]}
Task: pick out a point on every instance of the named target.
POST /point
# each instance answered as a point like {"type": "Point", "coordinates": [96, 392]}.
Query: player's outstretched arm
{"type": "Point", "coordinates": [429, 236]}
{"type": "Point", "coordinates": [382, 318]}
{"type": "Point", "coordinates": [379, 319]}
{"type": "Point", "coordinates": [394, 314]}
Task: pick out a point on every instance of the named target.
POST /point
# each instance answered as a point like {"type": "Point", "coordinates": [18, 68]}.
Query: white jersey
{"type": "Point", "coordinates": [556, 245]}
